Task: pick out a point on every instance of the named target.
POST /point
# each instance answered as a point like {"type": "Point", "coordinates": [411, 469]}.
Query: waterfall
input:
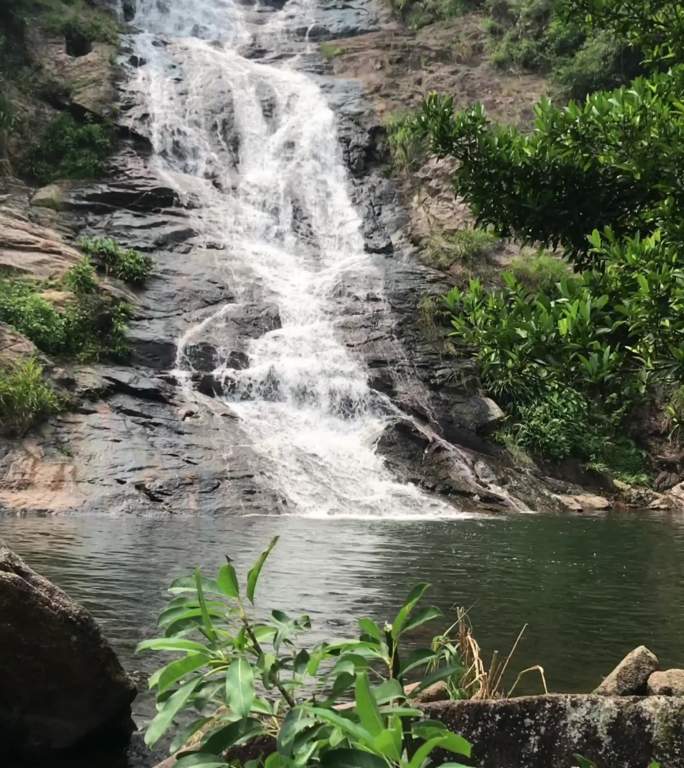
{"type": "Point", "coordinates": [252, 144]}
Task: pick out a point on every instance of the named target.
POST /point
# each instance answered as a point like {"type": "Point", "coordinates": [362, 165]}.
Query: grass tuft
{"type": "Point", "coordinates": [123, 263]}
{"type": "Point", "coordinates": [25, 398]}
{"type": "Point", "coordinates": [466, 247]}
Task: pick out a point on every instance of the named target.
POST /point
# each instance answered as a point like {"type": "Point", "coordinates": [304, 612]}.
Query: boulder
{"type": "Point", "coordinates": [631, 674]}
{"type": "Point", "coordinates": [667, 683]}
{"type": "Point", "coordinates": [584, 502]}
{"type": "Point", "coordinates": [436, 692]}
{"type": "Point", "coordinates": [476, 413]}
{"type": "Point", "coordinates": [50, 196]}
{"type": "Point", "coordinates": [546, 731]}
{"type": "Point", "coordinates": [61, 680]}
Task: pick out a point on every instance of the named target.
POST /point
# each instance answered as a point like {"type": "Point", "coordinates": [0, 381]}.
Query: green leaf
{"type": "Point", "coordinates": [171, 707]}
{"type": "Point", "coordinates": [418, 658]}
{"type": "Point", "coordinates": [255, 570]}
{"type": "Point", "coordinates": [387, 744]}
{"type": "Point", "coordinates": [366, 706]}
{"type": "Point", "coordinates": [240, 687]}
{"type": "Point", "coordinates": [296, 721]}
{"type": "Point", "coordinates": [351, 758]}
{"type": "Point", "coordinates": [197, 758]}
{"type": "Point", "coordinates": [206, 619]}
{"type": "Point", "coordinates": [583, 762]}
{"type": "Point", "coordinates": [370, 628]}
{"type": "Point", "coordinates": [342, 683]}
{"type": "Point", "coordinates": [227, 581]}
{"type": "Point", "coordinates": [176, 614]}
{"type": "Point", "coordinates": [439, 674]}
{"type": "Point", "coordinates": [239, 731]}
{"type": "Point", "coordinates": [456, 744]}
{"type": "Point", "coordinates": [165, 677]}
{"type": "Point", "coordinates": [347, 726]}
{"type": "Point", "coordinates": [170, 644]}
{"type": "Point", "coordinates": [421, 755]}
{"type": "Point", "coordinates": [388, 690]}
{"type": "Point", "coordinates": [399, 622]}
{"type": "Point", "coordinates": [184, 734]}
{"type": "Point", "coordinates": [423, 617]}
{"type": "Point", "coordinates": [301, 661]}
{"type": "Point", "coordinates": [454, 765]}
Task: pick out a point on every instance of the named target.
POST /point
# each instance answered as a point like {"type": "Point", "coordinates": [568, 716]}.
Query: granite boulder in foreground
{"type": "Point", "coordinates": [61, 682]}
{"type": "Point", "coordinates": [547, 731]}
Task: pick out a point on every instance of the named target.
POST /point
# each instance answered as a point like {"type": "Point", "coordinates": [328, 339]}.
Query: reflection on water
{"type": "Point", "coordinates": [590, 588]}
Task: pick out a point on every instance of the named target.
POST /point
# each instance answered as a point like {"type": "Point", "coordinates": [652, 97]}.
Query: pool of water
{"type": "Point", "coordinates": [589, 588]}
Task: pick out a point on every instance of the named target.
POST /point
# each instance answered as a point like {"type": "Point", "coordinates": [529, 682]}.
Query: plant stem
{"type": "Point", "coordinates": [257, 647]}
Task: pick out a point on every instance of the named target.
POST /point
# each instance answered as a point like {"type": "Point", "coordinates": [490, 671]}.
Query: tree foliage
{"type": "Point", "coordinates": [654, 26]}
{"type": "Point", "coordinates": [602, 181]}
{"type": "Point", "coordinates": [614, 161]}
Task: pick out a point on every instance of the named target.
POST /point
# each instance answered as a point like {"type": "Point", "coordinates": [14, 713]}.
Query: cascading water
{"type": "Point", "coordinates": [254, 146]}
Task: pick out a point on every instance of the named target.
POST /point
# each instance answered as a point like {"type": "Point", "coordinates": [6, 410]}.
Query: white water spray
{"type": "Point", "coordinates": [255, 146]}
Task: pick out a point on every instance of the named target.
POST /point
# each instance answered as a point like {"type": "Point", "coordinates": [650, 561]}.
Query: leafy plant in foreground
{"type": "Point", "coordinates": [253, 685]}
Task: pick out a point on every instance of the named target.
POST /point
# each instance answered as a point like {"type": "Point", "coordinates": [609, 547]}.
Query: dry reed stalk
{"type": "Point", "coordinates": [477, 680]}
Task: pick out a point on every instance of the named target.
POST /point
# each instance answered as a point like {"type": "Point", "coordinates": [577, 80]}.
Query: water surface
{"type": "Point", "coordinates": [590, 588]}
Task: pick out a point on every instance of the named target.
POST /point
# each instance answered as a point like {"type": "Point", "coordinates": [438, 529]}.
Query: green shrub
{"type": "Point", "coordinates": [252, 683]}
{"type": "Point", "coordinates": [618, 456]}
{"type": "Point", "coordinates": [419, 13]}
{"type": "Point", "coordinates": [81, 278]}
{"type": "Point", "coordinates": [466, 246]}
{"type": "Point", "coordinates": [557, 425]}
{"type": "Point", "coordinates": [541, 36]}
{"type": "Point", "coordinates": [22, 307]}
{"type": "Point", "coordinates": [602, 181]}
{"type": "Point", "coordinates": [91, 27]}
{"type": "Point", "coordinates": [655, 27]}
{"type": "Point", "coordinates": [674, 412]}
{"type": "Point", "coordinates": [88, 329]}
{"type": "Point", "coordinates": [68, 149]}
{"type": "Point", "coordinates": [126, 264]}
{"type": "Point", "coordinates": [406, 149]}
{"type": "Point", "coordinates": [607, 335]}
{"type": "Point", "coordinates": [601, 63]}
{"type": "Point", "coordinates": [540, 270]}
{"type": "Point", "coordinates": [614, 161]}
{"type": "Point", "coordinates": [330, 51]}
{"type": "Point", "coordinates": [25, 397]}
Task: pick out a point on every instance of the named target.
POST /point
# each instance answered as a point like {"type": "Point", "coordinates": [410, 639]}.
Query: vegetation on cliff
{"type": "Point", "coordinates": [68, 149]}
{"type": "Point", "coordinates": [126, 264]}
{"type": "Point", "coordinates": [579, 359]}
{"type": "Point", "coordinates": [545, 36]}
{"type": "Point", "coordinates": [44, 134]}
{"type": "Point", "coordinates": [25, 397]}
{"type": "Point", "coordinates": [81, 321]}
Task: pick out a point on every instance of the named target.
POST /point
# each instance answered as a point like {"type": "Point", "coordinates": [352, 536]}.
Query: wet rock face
{"type": "Point", "coordinates": [545, 731]}
{"type": "Point", "coordinates": [61, 681]}
{"type": "Point", "coordinates": [631, 675]}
